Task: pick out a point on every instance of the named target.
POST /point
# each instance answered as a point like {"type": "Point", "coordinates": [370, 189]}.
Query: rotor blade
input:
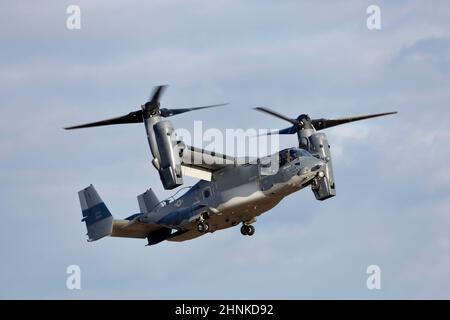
{"type": "Point", "coordinates": [276, 114]}
{"type": "Point", "coordinates": [290, 130]}
{"type": "Point", "coordinates": [172, 112]}
{"type": "Point", "coordinates": [321, 124]}
{"type": "Point", "coordinates": [157, 93]}
{"type": "Point", "coordinates": [132, 117]}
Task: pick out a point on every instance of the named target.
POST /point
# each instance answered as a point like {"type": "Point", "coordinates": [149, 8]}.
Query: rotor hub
{"type": "Point", "coordinates": [304, 122]}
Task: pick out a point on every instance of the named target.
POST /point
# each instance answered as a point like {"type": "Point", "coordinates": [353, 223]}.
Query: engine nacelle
{"type": "Point", "coordinates": [169, 162]}
{"type": "Point", "coordinates": [323, 187]}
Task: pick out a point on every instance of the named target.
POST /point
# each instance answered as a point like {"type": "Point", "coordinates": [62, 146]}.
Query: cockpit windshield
{"type": "Point", "coordinates": [300, 153]}
{"type": "Point", "coordinates": [289, 155]}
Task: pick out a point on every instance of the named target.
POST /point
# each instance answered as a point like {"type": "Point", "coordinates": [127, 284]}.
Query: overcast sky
{"type": "Point", "coordinates": [392, 207]}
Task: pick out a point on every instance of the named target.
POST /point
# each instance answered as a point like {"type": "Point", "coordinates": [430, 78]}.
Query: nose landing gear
{"type": "Point", "coordinates": [247, 230]}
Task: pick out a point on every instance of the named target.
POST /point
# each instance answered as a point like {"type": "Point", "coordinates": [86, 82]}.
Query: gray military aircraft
{"type": "Point", "coordinates": [230, 191]}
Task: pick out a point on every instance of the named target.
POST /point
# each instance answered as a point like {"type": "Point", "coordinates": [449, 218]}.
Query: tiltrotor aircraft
{"type": "Point", "coordinates": [229, 192]}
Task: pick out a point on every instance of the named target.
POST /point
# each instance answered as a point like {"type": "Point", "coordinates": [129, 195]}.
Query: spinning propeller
{"type": "Point", "coordinates": [303, 121]}
{"type": "Point", "coordinates": [150, 108]}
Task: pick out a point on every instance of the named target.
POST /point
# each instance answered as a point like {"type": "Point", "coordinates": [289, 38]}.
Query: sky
{"type": "Point", "coordinates": [392, 207]}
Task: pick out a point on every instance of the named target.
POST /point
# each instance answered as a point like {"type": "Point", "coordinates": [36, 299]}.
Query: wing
{"type": "Point", "coordinates": [201, 164]}
{"type": "Point", "coordinates": [204, 159]}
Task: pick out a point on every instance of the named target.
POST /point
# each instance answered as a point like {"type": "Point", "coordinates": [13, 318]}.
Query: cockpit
{"type": "Point", "coordinates": [270, 165]}
{"type": "Point", "coordinates": [288, 155]}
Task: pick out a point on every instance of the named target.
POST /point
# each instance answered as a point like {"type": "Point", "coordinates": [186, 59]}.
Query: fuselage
{"type": "Point", "coordinates": [238, 193]}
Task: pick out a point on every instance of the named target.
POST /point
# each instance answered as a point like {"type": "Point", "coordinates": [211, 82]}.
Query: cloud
{"type": "Point", "coordinates": [432, 50]}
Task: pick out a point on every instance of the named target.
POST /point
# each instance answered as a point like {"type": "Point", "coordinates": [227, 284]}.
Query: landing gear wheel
{"type": "Point", "coordinates": [251, 230]}
{"type": "Point", "coordinates": [247, 230]}
{"type": "Point", "coordinates": [202, 227]}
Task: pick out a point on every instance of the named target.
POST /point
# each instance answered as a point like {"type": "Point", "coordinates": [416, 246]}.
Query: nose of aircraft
{"type": "Point", "coordinates": [311, 165]}
{"type": "Point", "coordinates": [316, 164]}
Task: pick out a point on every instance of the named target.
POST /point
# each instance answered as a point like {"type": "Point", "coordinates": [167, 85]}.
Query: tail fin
{"type": "Point", "coordinates": [148, 201]}
{"type": "Point", "coordinates": [98, 219]}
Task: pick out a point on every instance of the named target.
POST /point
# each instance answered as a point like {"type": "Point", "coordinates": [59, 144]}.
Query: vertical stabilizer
{"type": "Point", "coordinates": [95, 213]}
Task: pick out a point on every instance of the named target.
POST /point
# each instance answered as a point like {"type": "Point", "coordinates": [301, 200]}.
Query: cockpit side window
{"type": "Point", "coordinates": [284, 157]}
{"type": "Point", "coordinates": [294, 153]}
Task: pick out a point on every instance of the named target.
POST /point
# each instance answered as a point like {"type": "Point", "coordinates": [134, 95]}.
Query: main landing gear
{"type": "Point", "coordinates": [202, 227]}
{"type": "Point", "coordinates": [247, 230]}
